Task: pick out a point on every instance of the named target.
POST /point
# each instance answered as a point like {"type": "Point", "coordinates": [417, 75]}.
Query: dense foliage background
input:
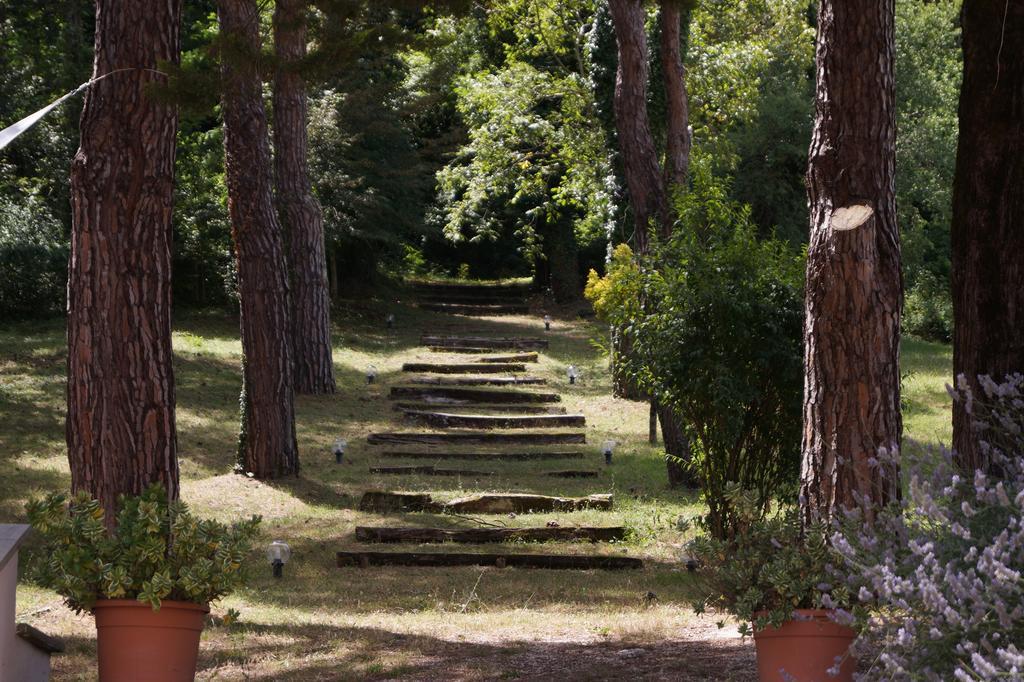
{"type": "Point", "coordinates": [483, 136]}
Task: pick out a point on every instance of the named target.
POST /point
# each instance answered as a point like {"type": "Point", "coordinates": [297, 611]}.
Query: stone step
{"type": "Point", "coordinates": [511, 456]}
{"type": "Point", "coordinates": [477, 395]}
{"type": "Point", "coordinates": [418, 535]}
{"type": "Point", "coordinates": [500, 343]}
{"type": "Point", "coordinates": [475, 438]}
{"type": "Point", "coordinates": [464, 368]}
{"type": "Point", "coordinates": [433, 559]}
{"type": "Point", "coordinates": [478, 381]}
{"type": "Point", "coordinates": [481, 309]}
{"type": "Point", "coordinates": [460, 407]}
{"type": "Point", "coordinates": [446, 420]}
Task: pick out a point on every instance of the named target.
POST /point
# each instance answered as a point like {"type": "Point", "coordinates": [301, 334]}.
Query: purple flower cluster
{"type": "Point", "coordinates": [940, 577]}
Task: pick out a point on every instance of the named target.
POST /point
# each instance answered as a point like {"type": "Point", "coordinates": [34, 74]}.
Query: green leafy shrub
{"type": "Point", "coordinates": [768, 568]}
{"type": "Point", "coordinates": [33, 261]}
{"type": "Point", "coordinates": [158, 550]}
{"type": "Point", "coordinates": [716, 322]}
{"type": "Point", "coordinates": [928, 310]}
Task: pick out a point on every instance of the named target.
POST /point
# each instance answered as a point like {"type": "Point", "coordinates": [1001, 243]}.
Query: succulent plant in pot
{"type": "Point", "coordinates": [774, 576]}
{"type": "Point", "coordinates": [149, 582]}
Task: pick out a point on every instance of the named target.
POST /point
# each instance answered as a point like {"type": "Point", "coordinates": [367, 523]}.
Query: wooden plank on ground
{"type": "Point", "coordinates": [518, 357]}
{"type": "Point", "coordinates": [523, 503]}
{"type": "Point", "coordinates": [488, 535]}
{"type": "Point", "coordinates": [573, 473]}
{"type": "Point", "coordinates": [425, 559]}
{"type": "Point", "coordinates": [475, 309]}
{"type": "Point", "coordinates": [464, 368]}
{"type": "Point", "coordinates": [387, 501]}
{"type": "Point", "coordinates": [477, 395]}
{"type": "Point", "coordinates": [474, 438]}
{"type": "Point", "coordinates": [445, 420]}
{"type": "Point", "coordinates": [476, 408]}
{"type": "Point", "coordinates": [460, 288]}
{"type": "Point", "coordinates": [477, 381]}
{"type": "Point", "coordinates": [502, 343]}
{"type": "Point", "coordinates": [427, 470]}
{"type": "Point", "coordinates": [484, 456]}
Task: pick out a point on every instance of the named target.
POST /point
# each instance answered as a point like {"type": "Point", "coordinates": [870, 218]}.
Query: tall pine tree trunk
{"type": "Point", "coordinates": [677, 166]}
{"type": "Point", "coordinates": [854, 286]}
{"type": "Point", "coordinates": [636, 144]}
{"type": "Point", "coordinates": [120, 421]}
{"type": "Point", "coordinates": [267, 446]}
{"type": "Point", "coordinates": [298, 208]}
{"type": "Point", "coordinates": [988, 208]}
{"type": "Point", "coordinates": [677, 143]}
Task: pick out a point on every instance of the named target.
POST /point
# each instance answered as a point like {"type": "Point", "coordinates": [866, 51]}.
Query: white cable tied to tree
{"type": "Point", "coordinates": [11, 133]}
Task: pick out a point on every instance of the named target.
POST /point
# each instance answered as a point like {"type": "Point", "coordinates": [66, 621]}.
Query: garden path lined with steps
{"type": "Point", "coordinates": [486, 402]}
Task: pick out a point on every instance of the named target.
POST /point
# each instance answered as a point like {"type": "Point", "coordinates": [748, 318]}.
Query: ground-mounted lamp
{"type": "Point", "coordinates": [607, 448]}
{"type": "Point", "coordinates": [547, 323]}
{"type": "Point", "coordinates": [573, 374]}
{"type": "Point", "coordinates": [371, 374]}
{"type": "Point", "coordinates": [390, 320]}
{"type": "Point", "coordinates": [339, 450]}
{"type": "Point", "coordinates": [278, 554]}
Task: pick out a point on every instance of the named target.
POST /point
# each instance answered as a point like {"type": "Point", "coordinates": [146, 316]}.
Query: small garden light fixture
{"type": "Point", "coordinates": [573, 374]}
{"type": "Point", "coordinates": [278, 554]}
{"type": "Point", "coordinates": [371, 374]}
{"type": "Point", "coordinates": [547, 323]}
{"type": "Point", "coordinates": [607, 448]}
{"type": "Point", "coordinates": [390, 320]}
{"type": "Point", "coordinates": [339, 450]}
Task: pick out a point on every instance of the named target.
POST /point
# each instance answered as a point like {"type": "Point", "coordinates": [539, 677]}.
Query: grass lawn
{"type": "Point", "coordinates": [323, 622]}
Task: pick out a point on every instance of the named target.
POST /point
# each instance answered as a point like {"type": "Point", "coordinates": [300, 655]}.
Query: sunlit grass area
{"type": "Point", "coordinates": [324, 622]}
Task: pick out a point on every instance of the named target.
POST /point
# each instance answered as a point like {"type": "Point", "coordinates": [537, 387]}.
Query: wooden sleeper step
{"type": "Point", "coordinates": [426, 559]}
{"type": "Point", "coordinates": [466, 368]}
{"type": "Point", "coordinates": [475, 408]}
{"type": "Point", "coordinates": [427, 470]}
{"type": "Point", "coordinates": [475, 438]}
{"type": "Point", "coordinates": [482, 503]}
{"type": "Point", "coordinates": [477, 381]}
{"type": "Point", "coordinates": [446, 420]}
{"type": "Point", "coordinates": [477, 395]}
{"type": "Point", "coordinates": [484, 456]}
{"type": "Point", "coordinates": [475, 309]}
{"type": "Point", "coordinates": [501, 343]}
{"type": "Point", "coordinates": [419, 535]}
{"type": "Point", "coordinates": [518, 357]}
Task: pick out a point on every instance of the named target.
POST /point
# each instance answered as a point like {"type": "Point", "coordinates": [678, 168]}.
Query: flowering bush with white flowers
{"type": "Point", "coordinates": [939, 577]}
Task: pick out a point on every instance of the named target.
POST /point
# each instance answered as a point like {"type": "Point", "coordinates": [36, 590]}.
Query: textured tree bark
{"type": "Point", "coordinates": [297, 207]}
{"type": "Point", "coordinates": [120, 422]}
{"type": "Point", "coordinates": [267, 446]}
{"type": "Point", "coordinates": [677, 449]}
{"type": "Point", "coordinates": [988, 208]}
{"type": "Point", "coordinates": [636, 144]}
{"type": "Point", "coordinates": [677, 143]}
{"type": "Point", "coordinates": [854, 286]}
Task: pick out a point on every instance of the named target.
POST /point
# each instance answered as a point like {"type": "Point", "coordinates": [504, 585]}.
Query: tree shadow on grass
{"type": "Point", "coordinates": [314, 652]}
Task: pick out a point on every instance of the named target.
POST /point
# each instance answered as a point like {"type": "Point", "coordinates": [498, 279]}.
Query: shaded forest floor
{"type": "Point", "coordinates": [327, 623]}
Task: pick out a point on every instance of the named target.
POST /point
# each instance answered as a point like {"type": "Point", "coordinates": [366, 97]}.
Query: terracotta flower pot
{"type": "Point", "coordinates": [803, 650]}
{"type": "Point", "coordinates": [138, 644]}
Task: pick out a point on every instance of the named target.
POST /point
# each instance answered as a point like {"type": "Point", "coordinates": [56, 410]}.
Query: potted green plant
{"type": "Point", "coordinates": [148, 582]}
{"type": "Point", "coordinates": [773, 575]}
